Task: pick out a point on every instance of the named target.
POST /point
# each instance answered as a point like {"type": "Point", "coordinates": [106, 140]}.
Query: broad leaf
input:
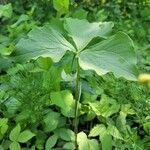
{"type": "Point", "coordinates": [106, 107]}
{"type": "Point", "coordinates": [116, 54]}
{"type": "Point", "coordinates": [69, 146]}
{"type": "Point", "coordinates": [64, 100]}
{"type": "Point", "coordinates": [94, 145]}
{"type": "Point", "coordinates": [86, 144]}
{"type": "Point", "coordinates": [65, 134]}
{"type": "Point", "coordinates": [106, 141]}
{"type": "Point", "coordinates": [83, 141]}
{"type": "Point", "coordinates": [14, 134]}
{"type": "Point", "coordinates": [126, 109]}
{"type": "Point", "coordinates": [97, 130]}
{"type": "Point", "coordinates": [3, 129]}
{"type": "Point", "coordinates": [51, 141]}
{"type": "Point", "coordinates": [3, 121]}
{"type": "Point", "coordinates": [112, 130]}
{"type": "Point", "coordinates": [25, 136]}
{"type": "Point", "coordinates": [44, 41]}
{"type": "Point", "coordinates": [82, 32]}
{"type": "Point", "coordinates": [51, 121]}
{"type": "Point", "coordinates": [15, 146]}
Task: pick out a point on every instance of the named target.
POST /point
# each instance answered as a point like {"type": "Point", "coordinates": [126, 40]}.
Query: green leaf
{"type": "Point", "coordinates": [106, 107]}
{"type": "Point", "coordinates": [68, 77]}
{"type": "Point", "coordinates": [64, 100]}
{"type": "Point", "coordinates": [45, 42]}
{"type": "Point", "coordinates": [3, 129]}
{"type": "Point", "coordinates": [94, 145]}
{"type": "Point", "coordinates": [44, 63]}
{"type": "Point", "coordinates": [41, 138]}
{"type": "Point", "coordinates": [127, 109]}
{"type": "Point", "coordinates": [97, 130]}
{"type": "Point", "coordinates": [6, 50]}
{"type": "Point", "coordinates": [61, 6]}
{"type": "Point", "coordinates": [51, 141]}
{"type": "Point", "coordinates": [85, 144]}
{"type": "Point", "coordinates": [82, 32]}
{"type": "Point", "coordinates": [106, 141]}
{"type": "Point", "coordinates": [6, 10]}
{"type": "Point", "coordinates": [21, 19]}
{"type": "Point", "coordinates": [25, 136]}
{"type": "Point", "coordinates": [116, 54]}
{"type": "Point", "coordinates": [112, 130]}
{"type": "Point", "coordinates": [52, 78]}
{"type": "Point", "coordinates": [65, 134]}
{"type": "Point", "coordinates": [51, 121]}
{"type": "Point", "coordinates": [14, 134]}
{"type": "Point", "coordinates": [12, 106]}
{"type": "Point", "coordinates": [3, 121]}
{"type": "Point", "coordinates": [15, 146]}
{"type": "Point", "coordinates": [80, 13]}
{"type": "Point", "coordinates": [83, 141]}
{"type": "Point", "coordinates": [146, 127]}
{"type": "Point", "coordinates": [69, 146]}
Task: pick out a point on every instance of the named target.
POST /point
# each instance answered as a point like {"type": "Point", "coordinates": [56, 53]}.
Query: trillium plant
{"type": "Point", "coordinates": [92, 45]}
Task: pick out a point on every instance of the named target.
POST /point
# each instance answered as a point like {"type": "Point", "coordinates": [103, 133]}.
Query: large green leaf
{"type": "Point", "coordinates": [87, 144]}
{"type": "Point", "coordinates": [64, 100]}
{"type": "Point", "coordinates": [14, 134]}
{"type": "Point", "coordinates": [116, 54]}
{"type": "Point", "coordinates": [25, 136]}
{"type": "Point", "coordinates": [82, 32]}
{"type": "Point", "coordinates": [44, 41]}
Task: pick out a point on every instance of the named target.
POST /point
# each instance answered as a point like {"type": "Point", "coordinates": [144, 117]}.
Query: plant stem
{"type": "Point", "coordinates": [77, 98]}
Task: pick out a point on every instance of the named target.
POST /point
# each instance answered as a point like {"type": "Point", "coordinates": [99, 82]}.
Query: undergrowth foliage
{"type": "Point", "coordinates": [107, 54]}
{"type": "Point", "coordinates": [71, 84]}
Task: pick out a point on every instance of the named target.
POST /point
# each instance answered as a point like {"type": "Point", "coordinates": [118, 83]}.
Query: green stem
{"type": "Point", "coordinates": [77, 97]}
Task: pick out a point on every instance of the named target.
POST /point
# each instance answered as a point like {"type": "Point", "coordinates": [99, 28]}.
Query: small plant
{"type": "Point", "coordinates": [3, 127]}
{"type": "Point", "coordinates": [16, 136]}
{"type": "Point", "coordinates": [93, 49]}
